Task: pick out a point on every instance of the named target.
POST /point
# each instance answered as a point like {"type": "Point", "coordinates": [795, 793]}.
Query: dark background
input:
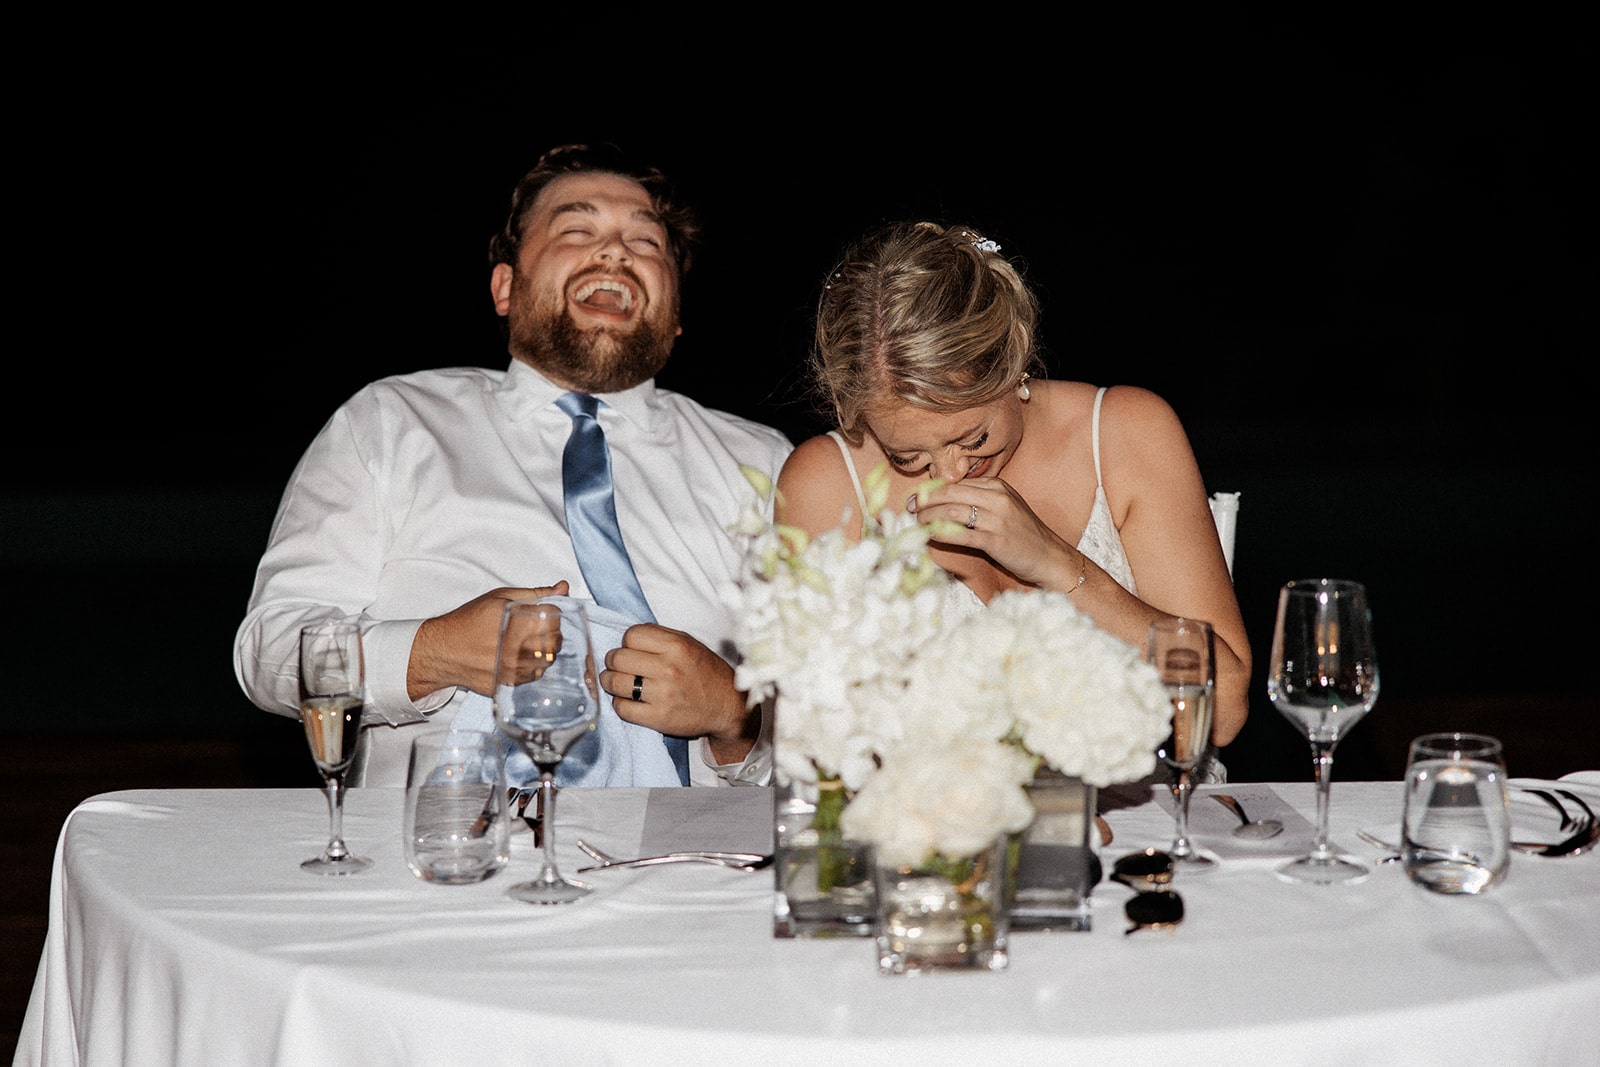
{"type": "Point", "coordinates": [1355, 252]}
{"type": "Point", "coordinates": [1356, 256]}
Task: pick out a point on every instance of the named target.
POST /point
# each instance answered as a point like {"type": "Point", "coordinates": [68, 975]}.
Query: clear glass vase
{"type": "Point", "coordinates": [1057, 867]}
{"type": "Point", "coordinates": [822, 884]}
{"type": "Point", "coordinates": [946, 915]}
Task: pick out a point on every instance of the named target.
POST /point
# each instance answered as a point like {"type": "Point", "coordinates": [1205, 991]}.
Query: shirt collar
{"type": "Point", "coordinates": [525, 391]}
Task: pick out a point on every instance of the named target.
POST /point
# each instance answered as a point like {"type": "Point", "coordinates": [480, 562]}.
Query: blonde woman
{"type": "Point", "coordinates": [926, 354]}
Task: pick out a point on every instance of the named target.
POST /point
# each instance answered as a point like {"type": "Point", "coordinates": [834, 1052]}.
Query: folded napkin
{"type": "Point", "coordinates": [617, 753]}
{"type": "Point", "coordinates": [1211, 825]}
{"type": "Point", "coordinates": [1584, 783]}
{"type": "Point", "coordinates": [727, 820]}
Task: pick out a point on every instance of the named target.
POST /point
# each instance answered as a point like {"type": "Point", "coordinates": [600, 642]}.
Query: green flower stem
{"type": "Point", "coordinates": [833, 861]}
{"type": "Point", "coordinates": [977, 914]}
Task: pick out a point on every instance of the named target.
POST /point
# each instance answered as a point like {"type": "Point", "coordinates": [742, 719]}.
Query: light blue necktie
{"type": "Point", "coordinates": [596, 537]}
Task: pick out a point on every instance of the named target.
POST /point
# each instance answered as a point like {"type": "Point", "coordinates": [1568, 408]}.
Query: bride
{"type": "Point", "coordinates": [925, 353]}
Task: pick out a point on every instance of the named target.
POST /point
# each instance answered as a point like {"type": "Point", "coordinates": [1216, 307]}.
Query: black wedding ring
{"type": "Point", "coordinates": [638, 688]}
{"type": "Point", "coordinates": [1154, 905]}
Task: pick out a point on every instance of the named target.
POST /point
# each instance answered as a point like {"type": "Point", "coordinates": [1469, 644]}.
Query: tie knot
{"type": "Point", "coordinates": [575, 404]}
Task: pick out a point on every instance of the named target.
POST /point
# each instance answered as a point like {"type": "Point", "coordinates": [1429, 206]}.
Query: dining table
{"type": "Point", "coordinates": [183, 931]}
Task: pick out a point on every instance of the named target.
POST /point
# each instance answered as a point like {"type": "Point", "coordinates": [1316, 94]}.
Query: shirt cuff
{"type": "Point", "coordinates": [387, 648]}
{"type": "Point", "coordinates": [754, 769]}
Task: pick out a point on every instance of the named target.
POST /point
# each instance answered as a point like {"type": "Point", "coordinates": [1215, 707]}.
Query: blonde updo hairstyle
{"type": "Point", "coordinates": [920, 313]}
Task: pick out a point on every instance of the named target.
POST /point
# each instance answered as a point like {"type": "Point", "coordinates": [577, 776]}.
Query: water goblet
{"type": "Point", "coordinates": [1182, 650]}
{"type": "Point", "coordinates": [332, 697]}
{"type": "Point", "coordinates": [1322, 676]}
{"type": "Point", "coordinates": [546, 696]}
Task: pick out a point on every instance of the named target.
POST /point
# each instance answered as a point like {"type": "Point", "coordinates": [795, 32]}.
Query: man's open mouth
{"type": "Point", "coordinates": [604, 294]}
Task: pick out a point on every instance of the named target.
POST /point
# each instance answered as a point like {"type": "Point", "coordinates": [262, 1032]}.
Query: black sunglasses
{"type": "Point", "coordinates": [1155, 906]}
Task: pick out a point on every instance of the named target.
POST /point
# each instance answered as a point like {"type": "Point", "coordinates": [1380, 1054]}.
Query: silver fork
{"type": "Point", "coordinates": [1576, 799]}
{"type": "Point", "coordinates": [1585, 831]}
{"type": "Point", "coordinates": [1567, 821]}
{"type": "Point", "coordinates": [1576, 845]}
{"type": "Point", "coordinates": [743, 861]}
{"type": "Point", "coordinates": [1392, 850]}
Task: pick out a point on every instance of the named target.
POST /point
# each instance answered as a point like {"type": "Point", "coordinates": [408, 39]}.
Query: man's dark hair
{"type": "Point", "coordinates": [683, 229]}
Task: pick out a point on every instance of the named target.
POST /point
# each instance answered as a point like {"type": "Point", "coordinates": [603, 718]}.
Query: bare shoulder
{"type": "Point", "coordinates": [1060, 410]}
{"type": "Point", "coordinates": [1063, 394]}
{"type": "Point", "coordinates": [815, 492]}
{"type": "Point", "coordinates": [1134, 418]}
{"type": "Point", "coordinates": [1135, 402]}
{"type": "Point", "coordinates": [815, 463]}
{"type": "Point", "coordinates": [1145, 453]}
{"type": "Point", "coordinates": [1128, 411]}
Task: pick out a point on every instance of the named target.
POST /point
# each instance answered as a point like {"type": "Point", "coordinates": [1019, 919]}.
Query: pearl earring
{"type": "Point", "coordinates": [1023, 392]}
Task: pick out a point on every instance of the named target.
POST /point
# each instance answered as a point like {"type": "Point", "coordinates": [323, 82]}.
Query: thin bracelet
{"type": "Point", "coordinates": [1083, 573]}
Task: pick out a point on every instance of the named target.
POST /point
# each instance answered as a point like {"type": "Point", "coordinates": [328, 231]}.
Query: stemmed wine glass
{"type": "Point", "coordinates": [1181, 649]}
{"type": "Point", "coordinates": [1323, 677]}
{"type": "Point", "coordinates": [332, 697]}
{"type": "Point", "coordinates": [546, 696]}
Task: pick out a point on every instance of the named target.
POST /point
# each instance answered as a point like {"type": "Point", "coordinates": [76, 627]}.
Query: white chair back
{"type": "Point", "coordinates": [1225, 513]}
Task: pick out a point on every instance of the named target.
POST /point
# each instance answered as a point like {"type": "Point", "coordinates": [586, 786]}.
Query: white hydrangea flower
{"type": "Point", "coordinates": [1083, 699]}
{"type": "Point", "coordinates": [953, 801]}
{"type": "Point", "coordinates": [933, 726]}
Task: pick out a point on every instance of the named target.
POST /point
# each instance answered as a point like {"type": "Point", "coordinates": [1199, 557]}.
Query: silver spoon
{"type": "Point", "coordinates": [1256, 830]}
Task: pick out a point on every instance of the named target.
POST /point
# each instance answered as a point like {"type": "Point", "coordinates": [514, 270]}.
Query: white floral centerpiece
{"type": "Point", "coordinates": [926, 729]}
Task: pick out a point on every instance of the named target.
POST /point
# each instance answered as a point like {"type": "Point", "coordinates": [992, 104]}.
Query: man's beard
{"type": "Point", "coordinates": [595, 360]}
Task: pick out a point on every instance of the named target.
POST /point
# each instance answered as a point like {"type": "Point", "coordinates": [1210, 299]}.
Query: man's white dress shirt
{"type": "Point", "coordinates": [425, 490]}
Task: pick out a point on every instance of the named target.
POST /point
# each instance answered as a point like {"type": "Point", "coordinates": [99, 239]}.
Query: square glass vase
{"type": "Point", "coordinates": [945, 915]}
{"type": "Point", "coordinates": [1056, 865]}
{"type": "Point", "coordinates": [822, 884]}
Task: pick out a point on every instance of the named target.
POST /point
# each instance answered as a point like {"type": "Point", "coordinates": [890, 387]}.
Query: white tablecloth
{"type": "Point", "coordinates": [182, 931]}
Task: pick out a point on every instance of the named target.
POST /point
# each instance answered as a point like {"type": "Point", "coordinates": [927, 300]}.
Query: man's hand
{"type": "Point", "coordinates": [458, 647]}
{"type": "Point", "coordinates": [685, 690]}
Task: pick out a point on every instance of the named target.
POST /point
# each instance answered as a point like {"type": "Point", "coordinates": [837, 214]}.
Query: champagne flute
{"type": "Point", "coordinates": [546, 696]}
{"type": "Point", "coordinates": [1182, 650]}
{"type": "Point", "coordinates": [1323, 677]}
{"type": "Point", "coordinates": [332, 696]}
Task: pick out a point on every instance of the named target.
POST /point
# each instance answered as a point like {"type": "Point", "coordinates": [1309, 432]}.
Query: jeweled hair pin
{"type": "Point", "coordinates": [982, 244]}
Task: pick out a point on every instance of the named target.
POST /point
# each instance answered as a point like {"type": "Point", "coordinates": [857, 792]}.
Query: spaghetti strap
{"type": "Point", "coordinates": [855, 479]}
{"type": "Point", "coordinates": [1100, 540]}
{"type": "Point", "coordinates": [1094, 432]}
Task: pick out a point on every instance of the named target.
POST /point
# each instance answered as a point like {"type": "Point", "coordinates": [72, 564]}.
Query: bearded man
{"type": "Point", "coordinates": [430, 500]}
